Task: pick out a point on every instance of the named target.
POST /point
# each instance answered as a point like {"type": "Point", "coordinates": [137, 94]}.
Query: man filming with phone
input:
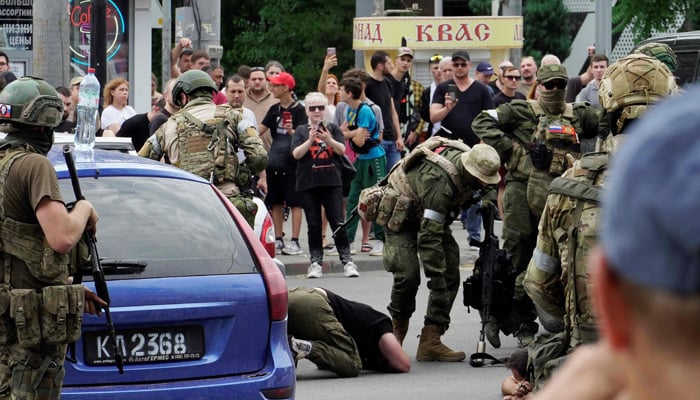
{"type": "Point", "coordinates": [456, 108]}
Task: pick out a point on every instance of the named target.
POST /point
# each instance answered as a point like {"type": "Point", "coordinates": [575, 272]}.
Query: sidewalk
{"type": "Point", "coordinates": [297, 265]}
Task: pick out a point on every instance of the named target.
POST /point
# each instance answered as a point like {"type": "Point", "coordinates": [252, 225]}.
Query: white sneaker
{"type": "Point", "coordinates": [301, 348]}
{"type": "Point", "coordinates": [332, 252]}
{"type": "Point", "coordinates": [350, 270]}
{"type": "Point", "coordinates": [352, 249]}
{"type": "Point", "coordinates": [292, 248]}
{"type": "Point", "coordinates": [377, 250]}
{"type": "Point", "coordinates": [315, 271]}
{"type": "Point", "coordinates": [279, 245]}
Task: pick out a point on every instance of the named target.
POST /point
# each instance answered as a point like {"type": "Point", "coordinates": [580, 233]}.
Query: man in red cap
{"type": "Point", "coordinates": [279, 179]}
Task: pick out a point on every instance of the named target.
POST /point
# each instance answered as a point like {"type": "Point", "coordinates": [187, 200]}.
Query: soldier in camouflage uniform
{"type": "Point", "coordinates": [532, 138]}
{"type": "Point", "coordinates": [557, 277]}
{"type": "Point", "coordinates": [429, 190]}
{"type": "Point", "coordinates": [37, 232]}
{"type": "Point", "coordinates": [203, 138]}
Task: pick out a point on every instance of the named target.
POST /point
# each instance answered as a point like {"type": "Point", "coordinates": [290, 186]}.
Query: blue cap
{"type": "Point", "coordinates": [485, 68]}
{"type": "Point", "coordinates": [650, 227]}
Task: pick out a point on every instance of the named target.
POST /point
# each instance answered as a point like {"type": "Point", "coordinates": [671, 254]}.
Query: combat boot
{"type": "Point", "coordinates": [400, 329]}
{"type": "Point", "coordinates": [431, 348]}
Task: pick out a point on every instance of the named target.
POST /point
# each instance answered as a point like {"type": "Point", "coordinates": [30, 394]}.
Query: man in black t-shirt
{"type": "Point", "coordinates": [341, 335]}
{"type": "Point", "coordinates": [456, 113]}
{"type": "Point", "coordinates": [379, 91]}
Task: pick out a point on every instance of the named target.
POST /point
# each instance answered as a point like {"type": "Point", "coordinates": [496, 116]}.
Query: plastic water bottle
{"type": "Point", "coordinates": [88, 103]}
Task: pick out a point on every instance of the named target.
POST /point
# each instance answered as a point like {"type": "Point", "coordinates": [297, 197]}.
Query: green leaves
{"type": "Point", "coordinates": [546, 29]}
{"type": "Point", "coordinates": [293, 32]}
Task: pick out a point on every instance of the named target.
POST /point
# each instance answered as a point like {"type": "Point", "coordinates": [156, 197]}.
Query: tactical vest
{"type": "Point", "coordinates": [552, 140]}
{"type": "Point", "coordinates": [208, 148]}
{"type": "Point", "coordinates": [30, 316]}
{"type": "Point", "coordinates": [27, 241]}
{"type": "Point", "coordinates": [392, 204]}
{"type": "Point", "coordinates": [584, 188]}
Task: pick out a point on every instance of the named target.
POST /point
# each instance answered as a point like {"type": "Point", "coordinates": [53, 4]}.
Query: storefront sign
{"type": "Point", "coordinates": [373, 33]}
{"type": "Point", "coordinates": [16, 26]}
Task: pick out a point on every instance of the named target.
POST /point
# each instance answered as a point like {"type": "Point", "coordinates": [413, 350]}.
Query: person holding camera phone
{"type": "Point", "coordinates": [316, 146]}
{"type": "Point", "coordinates": [458, 100]}
{"type": "Point", "coordinates": [280, 176]}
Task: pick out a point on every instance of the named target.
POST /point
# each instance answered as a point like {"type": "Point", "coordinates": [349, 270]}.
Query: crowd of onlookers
{"type": "Point", "coordinates": [404, 111]}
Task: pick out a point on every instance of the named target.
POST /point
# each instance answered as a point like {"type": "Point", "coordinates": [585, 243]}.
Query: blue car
{"type": "Point", "coordinates": [198, 305]}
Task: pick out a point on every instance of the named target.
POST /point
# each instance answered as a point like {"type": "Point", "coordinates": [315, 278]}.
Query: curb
{"type": "Point", "coordinates": [298, 264]}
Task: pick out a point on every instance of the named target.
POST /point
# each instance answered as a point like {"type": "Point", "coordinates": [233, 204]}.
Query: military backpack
{"type": "Point", "coordinates": [208, 148]}
{"type": "Point", "coordinates": [583, 189]}
{"type": "Point", "coordinates": [390, 203]}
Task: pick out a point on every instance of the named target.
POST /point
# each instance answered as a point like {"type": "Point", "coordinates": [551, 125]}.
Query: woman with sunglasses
{"type": "Point", "coordinates": [533, 139]}
{"type": "Point", "coordinates": [315, 146]}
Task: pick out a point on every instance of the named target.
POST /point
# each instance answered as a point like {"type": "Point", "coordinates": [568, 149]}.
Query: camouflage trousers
{"type": "Point", "coordinates": [402, 260]}
{"type": "Point", "coordinates": [520, 237]}
{"type": "Point", "coordinates": [310, 317]}
{"type": "Point", "coordinates": [31, 373]}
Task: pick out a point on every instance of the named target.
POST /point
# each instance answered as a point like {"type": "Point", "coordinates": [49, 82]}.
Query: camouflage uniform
{"type": "Point", "coordinates": [425, 238]}
{"type": "Point", "coordinates": [200, 153]}
{"type": "Point", "coordinates": [39, 313]}
{"type": "Point", "coordinates": [516, 130]}
{"type": "Point", "coordinates": [557, 276]}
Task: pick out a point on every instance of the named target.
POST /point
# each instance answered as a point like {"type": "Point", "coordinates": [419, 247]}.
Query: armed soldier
{"type": "Point", "coordinates": [203, 138]}
{"type": "Point", "coordinates": [37, 233]}
{"type": "Point", "coordinates": [532, 138]}
{"type": "Point", "coordinates": [423, 196]}
{"type": "Point", "coordinates": [557, 278]}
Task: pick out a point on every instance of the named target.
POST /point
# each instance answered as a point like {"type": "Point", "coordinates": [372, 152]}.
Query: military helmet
{"type": "Point", "coordinates": [189, 82]}
{"type": "Point", "coordinates": [660, 51]}
{"type": "Point", "coordinates": [636, 79]}
{"type": "Point", "coordinates": [549, 72]}
{"type": "Point", "coordinates": [482, 162]}
{"type": "Point", "coordinates": [31, 101]}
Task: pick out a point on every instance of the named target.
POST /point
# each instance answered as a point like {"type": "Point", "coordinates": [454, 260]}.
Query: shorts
{"type": "Point", "coordinates": [280, 189]}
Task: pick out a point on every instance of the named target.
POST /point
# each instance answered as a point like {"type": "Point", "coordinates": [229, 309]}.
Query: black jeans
{"type": "Point", "coordinates": [331, 198]}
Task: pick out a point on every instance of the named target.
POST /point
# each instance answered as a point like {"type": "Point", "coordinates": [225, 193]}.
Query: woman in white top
{"type": "Point", "coordinates": [116, 111]}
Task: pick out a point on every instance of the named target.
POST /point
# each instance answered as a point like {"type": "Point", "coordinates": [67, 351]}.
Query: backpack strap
{"type": "Point", "coordinates": [5, 164]}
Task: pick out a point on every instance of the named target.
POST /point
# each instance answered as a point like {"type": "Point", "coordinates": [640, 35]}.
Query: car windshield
{"type": "Point", "coordinates": [160, 227]}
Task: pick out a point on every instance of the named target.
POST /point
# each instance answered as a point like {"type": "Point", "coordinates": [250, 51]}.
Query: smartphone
{"type": "Point", "coordinates": [452, 90]}
{"type": "Point", "coordinates": [286, 117]}
{"type": "Point", "coordinates": [330, 50]}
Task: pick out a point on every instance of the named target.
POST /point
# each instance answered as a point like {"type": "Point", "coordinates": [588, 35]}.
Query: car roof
{"type": "Point", "coordinates": [114, 163]}
{"type": "Point", "coordinates": [123, 144]}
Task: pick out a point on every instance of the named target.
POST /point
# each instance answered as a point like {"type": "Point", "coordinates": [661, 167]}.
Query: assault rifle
{"type": "Point", "coordinates": [98, 275]}
{"type": "Point", "coordinates": [490, 288]}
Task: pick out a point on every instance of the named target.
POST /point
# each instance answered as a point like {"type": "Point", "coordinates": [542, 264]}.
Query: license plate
{"type": "Point", "coordinates": [140, 346]}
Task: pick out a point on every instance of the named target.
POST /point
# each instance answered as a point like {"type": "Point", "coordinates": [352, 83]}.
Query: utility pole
{"type": "Point", "coordinates": [603, 27]}
{"type": "Point", "coordinates": [51, 57]}
{"type": "Point", "coordinates": [166, 41]}
{"type": "Point", "coordinates": [513, 8]}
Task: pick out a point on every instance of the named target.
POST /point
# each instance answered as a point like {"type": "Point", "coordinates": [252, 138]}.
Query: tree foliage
{"type": "Point", "coordinates": [294, 32]}
{"type": "Point", "coordinates": [546, 29]}
{"type": "Point", "coordinates": [645, 16]}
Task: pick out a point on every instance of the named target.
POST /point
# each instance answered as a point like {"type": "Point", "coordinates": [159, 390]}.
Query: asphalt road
{"type": "Point", "coordinates": [426, 380]}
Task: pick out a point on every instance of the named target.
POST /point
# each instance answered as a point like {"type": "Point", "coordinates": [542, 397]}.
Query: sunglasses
{"type": "Point", "coordinates": [254, 69]}
{"type": "Point", "coordinates": [512, 77]}
{"type": "Point", "coordinates": [557, 83]}
{"type": "Point", "coordinates": [317, 108]}
{"type": "Point", "coordinates": [436, 58]}
{"type": "Point", "coordinates": [460, 65]}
